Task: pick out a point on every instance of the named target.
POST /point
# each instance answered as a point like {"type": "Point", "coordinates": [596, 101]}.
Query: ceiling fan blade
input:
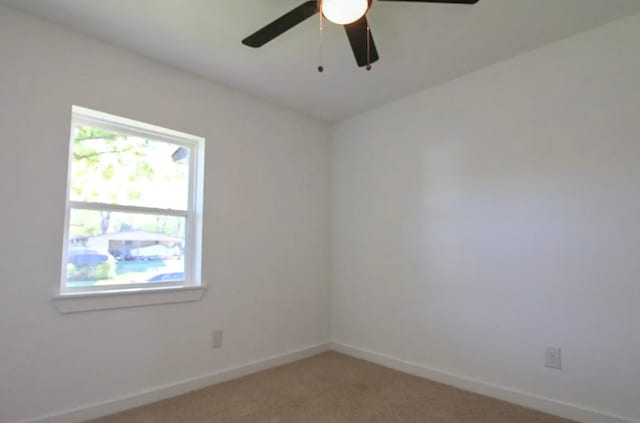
{"type": "Point", "coordinates": [438, 1]}
{"type": "Point", "coordinates": [282, 24]}
{"type": "Point", "coordinates": [357, 34]}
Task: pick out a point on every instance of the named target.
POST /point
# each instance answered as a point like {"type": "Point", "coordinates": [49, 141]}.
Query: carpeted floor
{"type": "Point", "coordinates": [330, 388]}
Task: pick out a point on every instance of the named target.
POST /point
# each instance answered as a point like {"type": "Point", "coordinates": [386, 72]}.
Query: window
{"type": "Point", "coordinates": [134, 207]}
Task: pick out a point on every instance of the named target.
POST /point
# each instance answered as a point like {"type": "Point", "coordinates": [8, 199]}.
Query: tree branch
{"type": "Point", "coordinates": [77, 156]}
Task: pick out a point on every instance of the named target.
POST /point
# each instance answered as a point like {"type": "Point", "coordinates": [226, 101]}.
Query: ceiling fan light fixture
{"type": "Point", "coordinates": [343, 12]}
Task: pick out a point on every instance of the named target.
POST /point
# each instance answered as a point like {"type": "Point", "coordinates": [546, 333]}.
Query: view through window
{"type": "Point", "coordinates": [132, 209]}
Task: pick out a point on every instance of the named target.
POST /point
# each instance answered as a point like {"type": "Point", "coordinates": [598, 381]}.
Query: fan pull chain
{"type": "Point", "coordinates": [320, 67]}
{"type": "Point", "coordinates": [368, 47]}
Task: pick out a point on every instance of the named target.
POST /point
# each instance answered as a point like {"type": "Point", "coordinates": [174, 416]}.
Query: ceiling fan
{"type": "Point", "coordinates": [352, 14]}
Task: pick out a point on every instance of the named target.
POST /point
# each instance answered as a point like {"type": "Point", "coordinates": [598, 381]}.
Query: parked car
{"type": "Point", "coordinates": [88, 264]}
{"type": "Point", "coordinates": [167, 277]}
{"type": "Point", "coordinates": [155, 252]}
{"type": "Point", "coordinates": [85, 256]}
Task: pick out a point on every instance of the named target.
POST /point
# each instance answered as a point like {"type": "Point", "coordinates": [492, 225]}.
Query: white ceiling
{"type": "Point", "coordinates": [420, 45]}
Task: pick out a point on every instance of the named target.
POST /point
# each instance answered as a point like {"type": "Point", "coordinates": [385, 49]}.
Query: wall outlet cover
{"type": "Point", "coordinates": [216, 338]}
{"type": "Point", "coordinates": [553, 358]}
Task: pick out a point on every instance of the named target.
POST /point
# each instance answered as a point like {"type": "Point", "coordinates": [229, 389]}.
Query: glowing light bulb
{"type": "Point", "coordinates": [344, 12]}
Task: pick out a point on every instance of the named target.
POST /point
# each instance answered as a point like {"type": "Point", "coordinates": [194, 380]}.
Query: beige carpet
{"type": "Point", "coordinates": [331, 388]}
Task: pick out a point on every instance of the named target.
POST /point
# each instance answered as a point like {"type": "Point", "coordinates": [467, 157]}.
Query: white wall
{"type": "Point", "coordinates": [266, 248]}
{"type": "Point", "coordinates": [480, 221]}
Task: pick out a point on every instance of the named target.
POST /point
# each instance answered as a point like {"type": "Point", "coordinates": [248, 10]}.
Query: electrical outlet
{"type": "Point", "coordinates": [553, 358]}
{"type": "Point", "coordinates": [216, 339]}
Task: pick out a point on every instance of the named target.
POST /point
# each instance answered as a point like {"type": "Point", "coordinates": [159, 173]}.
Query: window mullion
{"type": "Point", "coordinates": [127, 209]}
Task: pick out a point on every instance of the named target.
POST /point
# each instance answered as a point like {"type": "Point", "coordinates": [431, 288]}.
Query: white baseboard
{"type": "Point", "coordinates": [158, 393]}
{"type": "Point", "coordinates": [548, 405]}
{"type": "Point", "coordinates": [514, 396]}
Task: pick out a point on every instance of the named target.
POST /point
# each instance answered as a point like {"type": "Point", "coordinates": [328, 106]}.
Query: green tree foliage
{"type": "Point", "coordinates": [111, 168]}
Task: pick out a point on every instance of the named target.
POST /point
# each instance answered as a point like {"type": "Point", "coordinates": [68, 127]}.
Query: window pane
{"type": "Point", "coordinates": [113, 168]}
{"type": "Point", "coordinates": [113, 248]}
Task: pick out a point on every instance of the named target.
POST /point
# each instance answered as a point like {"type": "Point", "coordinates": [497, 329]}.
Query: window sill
{"type": "Point", "coordinates": [105, 300]}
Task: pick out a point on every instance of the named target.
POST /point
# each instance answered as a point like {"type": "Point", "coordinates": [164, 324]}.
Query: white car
{"type": "Point", "coordinates": [157, 251]}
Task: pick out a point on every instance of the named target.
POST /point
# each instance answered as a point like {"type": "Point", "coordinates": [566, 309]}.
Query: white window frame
{"type": "Point", "coordinates": [166, 292]}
